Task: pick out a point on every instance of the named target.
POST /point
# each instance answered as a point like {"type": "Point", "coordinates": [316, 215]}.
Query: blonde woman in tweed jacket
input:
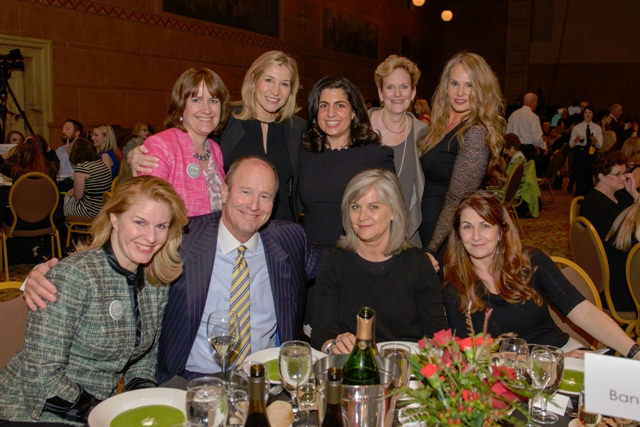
{"type": "Point", "coordinates": [105, 321]}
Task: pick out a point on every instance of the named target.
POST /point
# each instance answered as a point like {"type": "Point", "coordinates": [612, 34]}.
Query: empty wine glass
{"type": "Point", "coordinates": [223, 332]}
{"type": "Point", "coordinates": [295, 368]}
{"type": "Point", "coordinates": [513, 354]}
{"type": "Point", "coordinates": [542, 368]}
{"type": "Point", "coordinates": [307, 398]}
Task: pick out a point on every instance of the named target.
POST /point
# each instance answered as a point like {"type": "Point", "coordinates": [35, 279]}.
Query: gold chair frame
{"type": "Point", "coordinates": [574, 209]}
{"type": "Point", "coordinates": [32, 214]}
{"type": "Point", "coordinates": [632, 270]}
{"type": "Point", "coordinates": [510, 189]}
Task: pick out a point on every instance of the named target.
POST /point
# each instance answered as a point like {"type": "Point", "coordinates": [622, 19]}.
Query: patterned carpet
{"type": "Point", "coordinates": [549, 232]}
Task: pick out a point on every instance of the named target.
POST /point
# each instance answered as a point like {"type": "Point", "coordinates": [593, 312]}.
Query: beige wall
{"type": "Point", "coordinates": [114, 61]}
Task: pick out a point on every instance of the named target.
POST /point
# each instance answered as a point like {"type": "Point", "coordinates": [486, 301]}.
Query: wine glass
{"type": "Point", "coordinates": [542, 368]}
{"type": "Point", "coordinates": [513, 354]}
{"type": "Point", "coordinates": [223, 333]}
{"type": "Point", "coordinates": [206, 401]}
{"type": "Point", "coordinates": [553, 385]}
{"type": "Point", "coordinates": [295, 368]}
{"type": "Point", "coordinates": [399, 354]}
{"type": "Point", "coordinates": [307, 398]}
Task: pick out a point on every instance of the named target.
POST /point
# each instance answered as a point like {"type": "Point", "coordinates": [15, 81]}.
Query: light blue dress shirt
{"type": "Point", "coordinates": [262, 308]}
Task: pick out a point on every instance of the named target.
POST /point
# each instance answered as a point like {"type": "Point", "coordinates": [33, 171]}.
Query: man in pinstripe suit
{"type": "Point", "coordinates": [280, 261]}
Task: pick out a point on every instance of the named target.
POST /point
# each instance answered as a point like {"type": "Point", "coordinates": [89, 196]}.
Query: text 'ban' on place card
{"type": "Point", "coordinates": [611, 386]}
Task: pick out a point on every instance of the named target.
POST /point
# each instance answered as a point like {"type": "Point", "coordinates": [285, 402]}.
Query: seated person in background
{"type": "Point", "coordinates": [49, 154]}
{"type": "Point", "coordinates": [139, 133]}
{"type": "Point", "coordinates": [27, 157]}
{"type": "Point", "coordinates": [91, 179]}
{"type": "Point", "coordinates": [104, 140]}
{"type": "Point", "coordinates": [486, 268]}
{"type": "Point", "coordinates": [71, 131]}
{"type": "Point", "coordinates": [631, 149]}
{"type": "Point", "coordinates": [14, 137]}
{"type": "Point", "coordinates": [615, 190]}
{"type": "Point", "coordinates": [625, 231]}
{"type": "Point", "coordinates": [375, 265]}
{"type": "Point", "coordinates": [528, 191]}
{"type": "Point", "coordinates": [105, 321]}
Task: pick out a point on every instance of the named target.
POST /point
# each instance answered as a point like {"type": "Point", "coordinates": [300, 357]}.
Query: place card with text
{"type": "Point", "coordinates": [611, 386]}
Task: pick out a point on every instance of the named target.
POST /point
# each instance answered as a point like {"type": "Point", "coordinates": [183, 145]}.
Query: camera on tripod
{"type": "Point", "coordinates": [12, 61]}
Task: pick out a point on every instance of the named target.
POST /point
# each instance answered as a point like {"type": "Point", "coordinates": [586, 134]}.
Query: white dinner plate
{"type": "Point", "coordinates": [107, 410]}
{"type": "Point", "coordinates": [415, 348]}
{"type": "Point", "coordinates": [271, 354]}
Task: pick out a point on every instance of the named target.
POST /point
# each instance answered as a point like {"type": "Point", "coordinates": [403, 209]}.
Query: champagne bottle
{"type": "Point", "coordinates": [333, 392]}
{"type": "Point", "coordinates": [257, 416]}
{"type": "Point", "coordinates": [361, 368]}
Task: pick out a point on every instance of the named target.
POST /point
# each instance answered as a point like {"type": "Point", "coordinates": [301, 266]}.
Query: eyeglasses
{"type": "Point", "coordinates": [618, 174]}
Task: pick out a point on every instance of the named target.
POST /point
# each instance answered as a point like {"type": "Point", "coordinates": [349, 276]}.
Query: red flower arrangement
{"type": "Point", "coordinates": [461, 386]}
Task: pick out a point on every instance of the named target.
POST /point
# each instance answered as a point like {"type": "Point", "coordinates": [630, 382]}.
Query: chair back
{"type": "Point", "coordinates": [555, 163]}
{"type": "Point", "coordinates": [588, 252]}
{"type": "Point", "coordinates": [574, 209]}
{"type": "Point", "coordinates": [513, 184]}
{"type": "Point", "coordinates": [13, 323]}
{"type": "Point", "coordinates": [633, 275]}
{"type": "Point", "coordinates": [33, 198]}
{"type": "Point", "coordinates": [583, 283]}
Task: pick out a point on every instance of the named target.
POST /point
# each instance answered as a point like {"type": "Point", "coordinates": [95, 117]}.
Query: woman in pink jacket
{"type": "Point", "coordinates": [188, 159]}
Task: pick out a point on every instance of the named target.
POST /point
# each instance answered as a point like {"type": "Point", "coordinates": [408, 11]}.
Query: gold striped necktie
{"type": "Point", "coordinates": [239, 302]}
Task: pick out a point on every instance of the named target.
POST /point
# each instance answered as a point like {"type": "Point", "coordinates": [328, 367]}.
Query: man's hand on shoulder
{"type": "Point", "coordinates": [37, 289]}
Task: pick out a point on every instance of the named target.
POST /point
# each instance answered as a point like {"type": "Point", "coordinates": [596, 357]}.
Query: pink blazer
{"type": "Point", "coordinates": [175, 151]}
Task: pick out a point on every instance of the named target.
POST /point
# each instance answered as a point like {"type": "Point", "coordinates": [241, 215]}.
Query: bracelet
{"type": "Point", "coordinates": [329, 346]}
{"type": "Point", "coordinates": [633, 351]}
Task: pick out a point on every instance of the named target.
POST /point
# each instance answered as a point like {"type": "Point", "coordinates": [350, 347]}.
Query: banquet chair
{"type": "Point", "coordinates": [583, 283]}
{"type": "Point", "coordinates": [33, 198]}
{"type": "Point", "coordinates": [633, 280]}
{"type": "Point", "coordinates": [511, 188]}
{"type": "Point", "coordinates": [555, 164]}
{"type": "Point", "coordinates": [13, 322]}
{"type": "Point", "coordinates": [588, 252]}
{"type": "Point", "coordinates": [574, 209]}
{"type": "Point", "coordinates": [77, 225]}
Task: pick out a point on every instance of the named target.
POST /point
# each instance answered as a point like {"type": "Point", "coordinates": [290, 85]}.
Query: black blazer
{"type": "Point", "coordinates": [293, 129]}
{"type": "Point", "coordinates": [291, 262]}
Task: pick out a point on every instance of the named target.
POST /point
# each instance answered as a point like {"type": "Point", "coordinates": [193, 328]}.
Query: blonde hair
{"type": "Point", "coordinates": [626, 224]}
{"type": "Point", "coordinates": [112, 143]}
{"type": "Point", "coordinates": [254, 75]}
{"type": "Point", "coordinates": [631, 149]}
{"type": "Point", "coordinates": [392, 63]}
{"type": "Point", "coordinates": [387, 187]}
{"type": "Point", "coordinates": [166, 265]}
{"type": "Point", "coordinates": [486, 106]}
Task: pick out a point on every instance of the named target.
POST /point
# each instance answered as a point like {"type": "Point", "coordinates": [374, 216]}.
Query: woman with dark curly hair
{"type": "Point", "coordinates": [338, 144]}
{"type": "Point", "coordinates": [485, 267]}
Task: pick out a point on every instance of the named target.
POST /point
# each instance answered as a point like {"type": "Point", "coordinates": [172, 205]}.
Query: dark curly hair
{"type": "Point", "coordinates": [361, 132]}
{"type": "Point", "coordinates": [606, 161]}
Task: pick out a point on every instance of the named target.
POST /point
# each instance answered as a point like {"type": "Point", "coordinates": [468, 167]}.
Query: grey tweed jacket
{"type": "Point", "coordinates": [86, 338]}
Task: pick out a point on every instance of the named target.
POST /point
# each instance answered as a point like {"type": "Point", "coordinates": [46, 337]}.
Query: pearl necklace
{"type": "Point", "coordinates": [395, 132]}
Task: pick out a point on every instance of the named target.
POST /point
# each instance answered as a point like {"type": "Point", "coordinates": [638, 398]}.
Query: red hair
{"type": "Point", "coordinates": [511, 268]}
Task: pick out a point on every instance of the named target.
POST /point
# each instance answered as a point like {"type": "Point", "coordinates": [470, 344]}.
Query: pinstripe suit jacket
{"type": "Point", "coordinates": [291, 262]}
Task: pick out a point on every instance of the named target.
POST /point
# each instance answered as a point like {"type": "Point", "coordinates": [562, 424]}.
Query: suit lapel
{"type": "Point", "coordinates": [279, 266]}
{"type": "Point", "coordinates": [199, 258]}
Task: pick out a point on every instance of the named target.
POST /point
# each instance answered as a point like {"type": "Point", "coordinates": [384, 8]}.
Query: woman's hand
{"type": "Point", "coordinates": [434, 262]}
{"type": "Point", "coordinates": [140, 162]}
{"type": "Point", "coordinates": [343, 344]}
{"type": "Point", "coordinates": [37, 288]}
{"type": "Point", "coordinates": [630, 185]}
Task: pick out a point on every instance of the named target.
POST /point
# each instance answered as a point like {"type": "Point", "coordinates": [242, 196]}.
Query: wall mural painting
{"type": "Point", "coordinates": [259, 16]}
{"type": "Point", "coordinates": [350, 35]}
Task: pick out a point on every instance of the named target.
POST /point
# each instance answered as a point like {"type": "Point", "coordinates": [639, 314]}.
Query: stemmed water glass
{"type": "Point", "coordinates": [295, 368]}
{"type": "Point", "coordinates": [542, 366]}
{"type": "Point", "coordinates": [542, 415]}
{"type": "Point", "coordinates": [223, 333]}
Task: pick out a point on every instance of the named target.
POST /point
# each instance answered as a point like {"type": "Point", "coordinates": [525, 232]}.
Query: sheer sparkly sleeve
{"type": "Point", "coordinates": [469, 170]}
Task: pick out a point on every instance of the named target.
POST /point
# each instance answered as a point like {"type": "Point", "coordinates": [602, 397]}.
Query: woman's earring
{"type": "Point", "coordinates": [181, 118]}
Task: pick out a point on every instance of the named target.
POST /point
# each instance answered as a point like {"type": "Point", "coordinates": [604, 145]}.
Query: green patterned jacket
{"type": "Point", "coordinates": [86, 338]}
